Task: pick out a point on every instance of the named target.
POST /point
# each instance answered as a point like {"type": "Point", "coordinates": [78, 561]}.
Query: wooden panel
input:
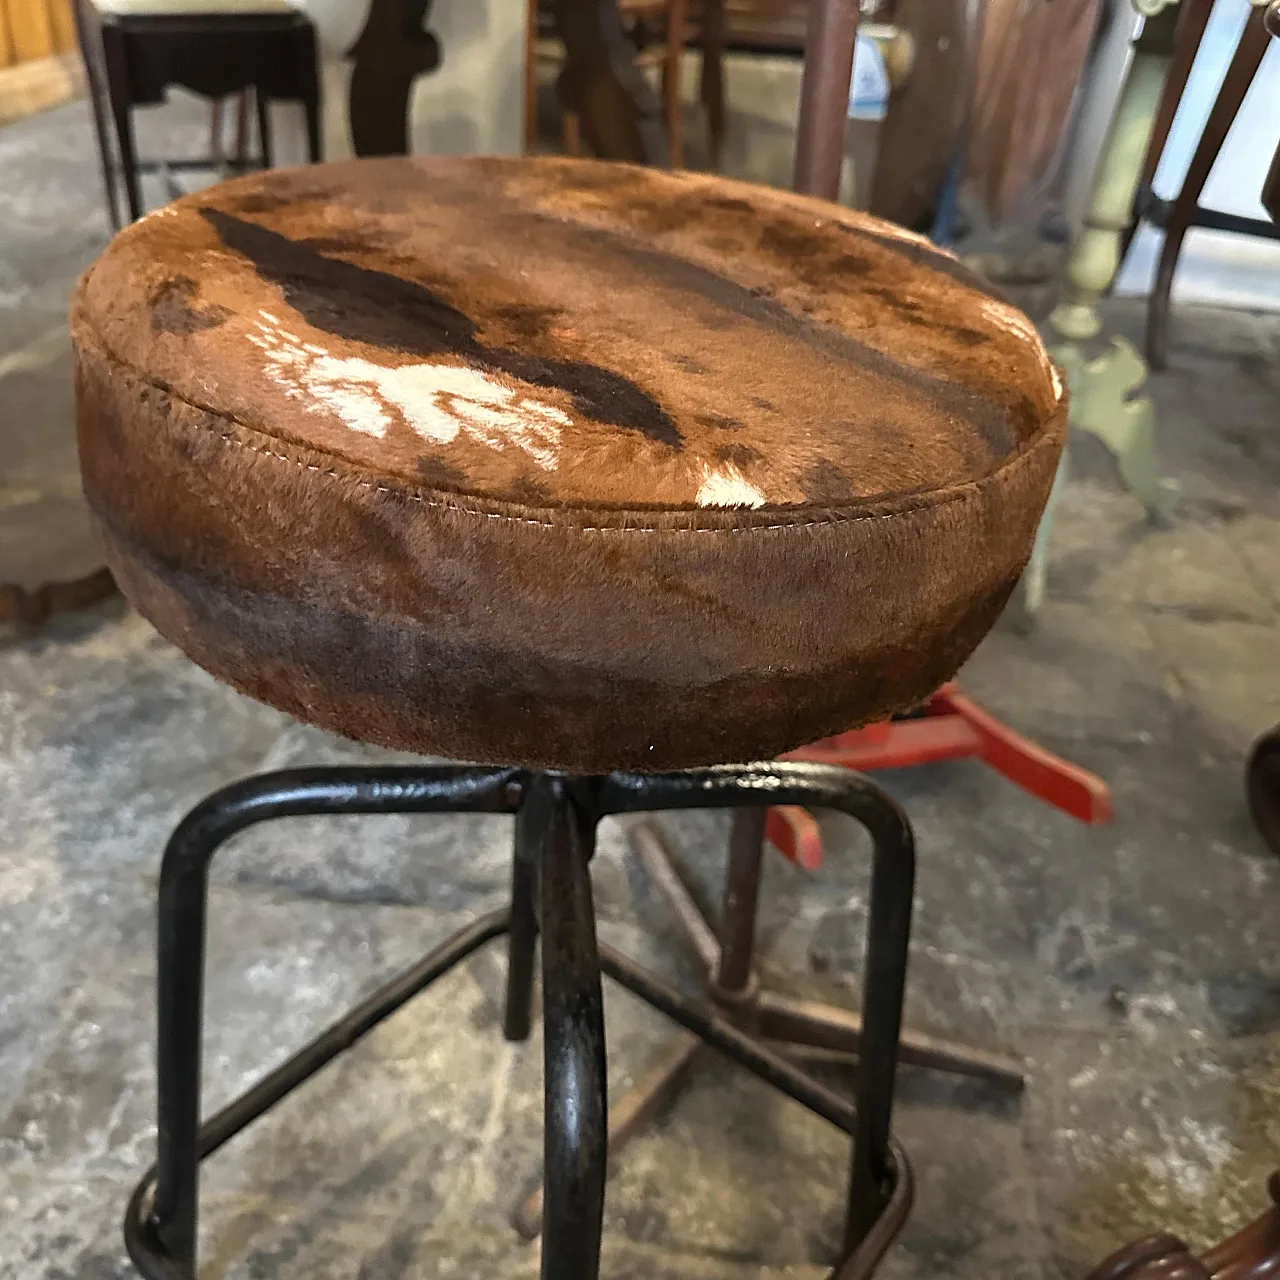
{"type": "Point", "coordinates": [7, 52]}
{"type": "Point", "coordinates": [29, 28]}
{"type": "Point", "coordinates": [62, 25]}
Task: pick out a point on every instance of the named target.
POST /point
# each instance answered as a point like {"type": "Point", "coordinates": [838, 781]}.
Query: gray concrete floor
{"type": "Point", "coordinates": [1136, 966]}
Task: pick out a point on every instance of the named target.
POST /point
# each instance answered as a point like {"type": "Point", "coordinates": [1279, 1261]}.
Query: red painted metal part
{"type": "Point", "coordinates": [949, 728]}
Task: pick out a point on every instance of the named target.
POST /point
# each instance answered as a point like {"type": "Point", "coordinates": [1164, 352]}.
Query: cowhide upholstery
{"type": "Point", "coordinates": [555, 462]}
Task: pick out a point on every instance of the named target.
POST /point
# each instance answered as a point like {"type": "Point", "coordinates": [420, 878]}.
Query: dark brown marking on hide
{"type": "Point", "coordinates": [785, 238]}
{"type": "Point", "coordinates": [689, 364]}
{"type": "Point", "coordinates": [826, 485]}
{"type": "Point", "coordinates": [532, 492]}
{"type": "Point", "coordinates": [173, 309]}
{"type": "Point", "coordinates": [924, 255]}
{"type": "Point", "coordinates": [284, 197]}
{"type": "Point", "coordinates": [720, 421]}
{"type": "Point", "coordinates": [987, 416]}
{"type": "Point", "coordinates": [363, 305]}
{"type": "Point", "coordinates": [909, 311]}
{"type": "Point", "coordinates": [528, 321]}
{"type": "Point", "coordinates": [782, 235]}
{"type": "Point", "coordinates": [356, 242]}
{"type": "Point", "coordinates": [592, 177]}
{"type": "Point", "coordinates": [737, 455]}
{"type": "Point", "coordinates": [729, 204]}
{"type": "Point", "coordinates": [850, 264]}
{"type": "Point", "coordinates": [440, 474]}
{"type": "Point", "coordinates": [663, 215]}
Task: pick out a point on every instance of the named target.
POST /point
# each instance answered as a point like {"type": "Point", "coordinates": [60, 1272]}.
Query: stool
{"type": "Point", "coordinates": [135, 49]}
{"type": "Point", "coordinates": [605, 474]}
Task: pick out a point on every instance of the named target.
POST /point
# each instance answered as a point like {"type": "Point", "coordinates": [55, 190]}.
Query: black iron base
{"type": "Point", "coordinates": [556, 817]}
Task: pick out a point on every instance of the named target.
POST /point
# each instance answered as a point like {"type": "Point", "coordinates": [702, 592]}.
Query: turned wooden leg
{"type": "Point", "coordinates": [1240, 75]}
{"type": "Point", "coordinates": [530, 76]}
{"type": "Point", "coordinates": [711, 84]}
{"type": "Point", "coordinates": [1102, 386]}
{"type": "Point", "coordinates": [671, 82]}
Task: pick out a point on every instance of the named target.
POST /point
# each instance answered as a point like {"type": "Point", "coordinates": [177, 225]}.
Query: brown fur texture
{"type": "Point", "coordinates": [558, 463]}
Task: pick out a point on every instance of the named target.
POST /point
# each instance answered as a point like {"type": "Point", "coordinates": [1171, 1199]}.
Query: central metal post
{"type": "Point", "coordinates": [560, 817]}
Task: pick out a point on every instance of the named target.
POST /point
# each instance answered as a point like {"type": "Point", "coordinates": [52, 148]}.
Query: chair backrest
{"type": "Point", "coordinates": [621, 115]}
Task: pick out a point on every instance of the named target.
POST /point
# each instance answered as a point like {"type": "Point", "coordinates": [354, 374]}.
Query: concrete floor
{"type": "Point", "coordinates": [1136, 966]}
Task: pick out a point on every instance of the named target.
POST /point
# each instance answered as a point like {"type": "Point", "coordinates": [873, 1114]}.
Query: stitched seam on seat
{"type": "Point", "coordinates": [937, 498]}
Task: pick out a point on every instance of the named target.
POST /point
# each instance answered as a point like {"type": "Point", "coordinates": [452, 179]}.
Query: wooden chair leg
{"type": "Point", "coordinates": [241, 152]}
{"type": "Point", "coordinates": [571, 133]}
{"type": "Point", "coordinates": [216, 151]}
{"type": "Point", "coordinates": [310, 90]}
{"type": "Point", "coordinates": [530, 76]}
{"type": "Point", "coordinates": [121, 110]}
{"type": "Point", "coordinates": [1192, 20]}
{"type": "Point", "coordinates": [676, 30]}
{"type": "Point", "coordinates": [711, 88]}
{"type": "Point", "coordinates": [1240, 75]}
{"type": "Point", "coordinates": [89, 36]}
{"type": "Point", "coordinates": [264, 125]}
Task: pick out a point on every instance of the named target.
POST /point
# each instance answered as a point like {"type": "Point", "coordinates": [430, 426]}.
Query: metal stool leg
{"type": "Point", "coordinates": [874, 1186]}
{"type": "Point", "coordinates": [160, 1224]}
{"type": "Point", "coordinates": [518, 1017]}
{"type": "Point", "coordinates": [573, 1033]}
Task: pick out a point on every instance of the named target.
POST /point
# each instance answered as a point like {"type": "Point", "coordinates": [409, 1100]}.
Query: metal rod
{"type": "Point", "coordinates": [824, 96]}
{"type": "Point", "coordinates": [575, 1100]}
{"type": "Point", "coordinates": [862, 1262]}
{"type": "Point", "coordinates": [812, 1024]}
{"type": "Point", "coordinates": [657, 859]}
{"type": "Point", "coordinates": [883, 991]}
{"type": "Point", "coordinates": [741, 896]}
{"type": "Point", "coordinates": [517, 1018]}
{"type": "Point", "coordinates": [646, 1097]}
{"type": "Point", "coordinates": [724, 1037]}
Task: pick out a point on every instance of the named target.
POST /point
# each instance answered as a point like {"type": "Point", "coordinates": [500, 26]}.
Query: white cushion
{"type": "Point", "coordinates": [181, 8]}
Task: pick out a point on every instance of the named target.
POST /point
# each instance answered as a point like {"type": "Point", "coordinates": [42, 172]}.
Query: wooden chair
{"type": "Point", "coordinates": [659, 31]}
{"type": "Point", "coordinates": [135, 49]}
{"type": "Point", "coordinates": [1251, 1254]}
{"type": "Point", "coordinates": [1262, 776]}
{"type": "Point", "coordinates": [1185, 211]}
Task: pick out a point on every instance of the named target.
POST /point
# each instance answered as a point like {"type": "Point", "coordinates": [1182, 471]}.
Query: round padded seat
{"type": "Point", "coordinates": [558, 463]}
